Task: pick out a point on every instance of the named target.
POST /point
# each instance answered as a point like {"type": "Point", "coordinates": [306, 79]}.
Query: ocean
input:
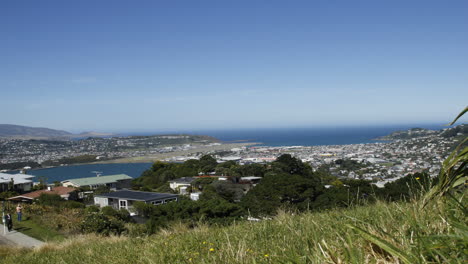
{"type": "Point", "coordinates": [309, 136]}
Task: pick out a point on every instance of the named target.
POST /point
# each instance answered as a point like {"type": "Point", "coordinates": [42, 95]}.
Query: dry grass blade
{"type": "Point", "coordinates": [384, 245]}
{"type": "Point", "coordinates": [459, 115]}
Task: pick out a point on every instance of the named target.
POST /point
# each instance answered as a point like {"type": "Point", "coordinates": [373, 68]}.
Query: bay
{"type": "Point", "coordinates": [88, 170]}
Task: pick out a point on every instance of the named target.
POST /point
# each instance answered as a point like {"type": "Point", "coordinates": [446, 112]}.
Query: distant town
{"type": "Point", "coordinates": [399, 154]}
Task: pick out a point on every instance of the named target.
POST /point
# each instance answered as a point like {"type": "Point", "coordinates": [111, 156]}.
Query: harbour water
{"type": "Point", "coordinates": [89, 170]}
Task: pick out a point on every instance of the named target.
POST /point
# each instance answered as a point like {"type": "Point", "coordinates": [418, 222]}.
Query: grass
{"type": "Point", "coordinates": [379, 233]}
{"type": "Point", "coordinates": [31, 228]}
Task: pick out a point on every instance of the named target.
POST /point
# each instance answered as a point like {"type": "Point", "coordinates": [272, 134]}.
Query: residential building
{"type": "Point", "coordinates": [114, 182]}
{"type": "Point", "coordinates": [21, 182]}
{"type": "Point", "coordinates": [126, 198]}
{"type": "Point", "coordinates": [181, 183]}
{"type": "Point", "coordinates": [64, 192]}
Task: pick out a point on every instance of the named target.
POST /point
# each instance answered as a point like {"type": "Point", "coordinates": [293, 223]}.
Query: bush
{"type": "Point", "coordinates": [122, 214]}
{"type": "Point", "coordinates": [91, 209]}
{"type": "Point", "coordinates": [50, 199]}
{"type": "Point", "coordinates": [72, 204]}
{"type": "Point", "coordinates": [7, 194]}
{"type": "Point", "coordinates": [101, 224]}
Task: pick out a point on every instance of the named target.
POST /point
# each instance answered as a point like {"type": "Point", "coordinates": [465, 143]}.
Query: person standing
{"type": "Point", "coordinates": [19, 212]}
{"type": "Point", "coordinates": [9, 222]}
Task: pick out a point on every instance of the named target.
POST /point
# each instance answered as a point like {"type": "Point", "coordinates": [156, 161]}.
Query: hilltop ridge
{"type": "Point", "coordinates": [27, 132]}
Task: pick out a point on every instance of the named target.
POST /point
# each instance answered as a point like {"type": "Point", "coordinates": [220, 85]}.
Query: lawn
{"type": "Point", "coordinates": [33, 229]}
{"type": "Point", "coordinates": [378, 233]}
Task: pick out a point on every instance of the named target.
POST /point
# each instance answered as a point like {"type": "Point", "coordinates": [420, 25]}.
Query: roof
{"type": "Point", "coordinates": [60, 190]}
{"type": "Point", "coordinates": [251, 178]}
{"type": "Point", "coordinates": [183, 180]}
{"type": "Point", "coordinates": [137, 195]}
{"type": "Point", "coordinates": [17, 178]}
{"type": "Point", "coordinates": [98, 180]}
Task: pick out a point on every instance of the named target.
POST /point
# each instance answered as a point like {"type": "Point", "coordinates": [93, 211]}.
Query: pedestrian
{"type": "Point", "coordinates": [9, 222]}
{"type": "Point", "coordinates": [19, 212]}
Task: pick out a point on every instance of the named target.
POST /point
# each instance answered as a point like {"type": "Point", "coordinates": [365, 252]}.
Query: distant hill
{"type": "Point", "coordinates": [457, 131]}
{"type": "Point", "coordinates": [410, 133]}
{"type": "Point", "coordinates": [15, 131]}
{"type": "Point", "coordinates": [25, 132]}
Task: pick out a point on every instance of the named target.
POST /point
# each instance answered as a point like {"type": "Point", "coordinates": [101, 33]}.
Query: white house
{"type": "Point", "coordinates": [178, 184]}
{"type": "Point", "coordinates": [21, 182]}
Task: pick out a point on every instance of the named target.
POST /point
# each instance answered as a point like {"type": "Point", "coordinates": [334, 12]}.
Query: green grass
{"type": "Point", "coordinates": [31, 228]}
{"type": "Point", "coordinates": [379, 233]}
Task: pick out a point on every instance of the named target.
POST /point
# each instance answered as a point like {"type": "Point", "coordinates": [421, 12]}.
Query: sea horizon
{"type": "Point", "coordinates": [298, 136]}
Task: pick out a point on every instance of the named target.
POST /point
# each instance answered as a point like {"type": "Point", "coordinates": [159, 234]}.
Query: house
{"type": "Point", "coordinates": [114, 182]}
{"type": "Point", "coordinates": [126, 198]}
{"type": "Point", "coordinates": [64, 192]}
{"type": "Point", "coordinates": [250, 180]}
{"type": "Point", "coordinates": [181, 184]}
{"type": "Point", "coordinates": [195, 196]}
{"type": "Point", "coordinates": [21, 182]}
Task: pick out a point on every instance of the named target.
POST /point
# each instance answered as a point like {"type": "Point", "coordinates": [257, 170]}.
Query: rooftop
{"type": "Point", "coordinates": [137, 195]}
{"type": "Point", "coordinates": [17, 178]}
{"type": "Point", "coordinates": [183, 180]}
{"type": "Point", "coordinates": [60, 190]}
{"type": "Point", "coordinates": [98, 180]}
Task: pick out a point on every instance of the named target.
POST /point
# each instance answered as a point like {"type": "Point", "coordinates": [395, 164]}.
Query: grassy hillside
{"type": "Point", "coordinates": [400, 232]}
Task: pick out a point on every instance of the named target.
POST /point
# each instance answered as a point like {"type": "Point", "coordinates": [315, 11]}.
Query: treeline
{"type": "Point", "coordinates": [19, 165]}
{"type": "Point", "coordinates": [287, 183]}
{"type": "Point", "coordinates": [161, 172]}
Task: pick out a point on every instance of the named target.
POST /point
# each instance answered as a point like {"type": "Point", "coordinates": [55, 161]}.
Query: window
{"type": "Point", "coordinates": [156, 202]}
{"type": "Point", "coordinates": [123, 203]}
{"type": "Point", "coordinates": [170, 200]}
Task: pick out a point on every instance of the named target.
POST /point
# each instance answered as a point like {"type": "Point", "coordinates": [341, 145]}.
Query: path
{"type": "Point", "coordinates": [15, 238]}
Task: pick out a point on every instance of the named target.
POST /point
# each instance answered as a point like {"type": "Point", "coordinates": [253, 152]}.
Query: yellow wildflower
{"type": "Point", "coordinates": [212, 249]}
{"type": "Point", "coordinates": [266, 255]}
{"type": "Point", "coordinates": [417, 178]}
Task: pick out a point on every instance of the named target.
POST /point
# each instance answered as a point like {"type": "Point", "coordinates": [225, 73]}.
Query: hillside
{"type": "Point", "coordinates": [30, 132]}
{"type": "Point", "coordinates": [26, 132]}
{"type": "Point", "coordinates": [415, 235]}
{"type": "Point", "coordinates": [407, 134]}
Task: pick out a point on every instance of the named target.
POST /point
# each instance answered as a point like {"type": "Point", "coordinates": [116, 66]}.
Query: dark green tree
{"type": "Point", "coordinates": [275, 191]}
{"type": "Point", "coordinates": [207, 164]}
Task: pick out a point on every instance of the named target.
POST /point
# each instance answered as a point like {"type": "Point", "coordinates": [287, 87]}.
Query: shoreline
{"type": "Point", "coordinates": [161, 156]}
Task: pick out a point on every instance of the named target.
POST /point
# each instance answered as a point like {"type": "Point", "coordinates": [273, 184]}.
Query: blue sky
{"type": "Point", "coordinates": [174, 65]}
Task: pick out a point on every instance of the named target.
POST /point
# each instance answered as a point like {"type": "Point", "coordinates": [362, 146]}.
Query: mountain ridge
{"type": "Point", "coordinates": [28, 132]}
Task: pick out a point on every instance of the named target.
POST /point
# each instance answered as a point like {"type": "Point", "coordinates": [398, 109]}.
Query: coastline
{"type": "Point", "coordinates": [161, 156]}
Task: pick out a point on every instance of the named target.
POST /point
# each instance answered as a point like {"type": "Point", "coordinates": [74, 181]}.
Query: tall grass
{"type": "Point", "coordinates": [423, 235]}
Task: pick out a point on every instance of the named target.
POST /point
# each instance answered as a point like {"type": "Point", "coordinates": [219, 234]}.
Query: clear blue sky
{"type": "Point", "coordinates": [175, 65]}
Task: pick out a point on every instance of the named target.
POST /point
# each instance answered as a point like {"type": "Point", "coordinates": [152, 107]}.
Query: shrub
{"type": "Point", "coordinates": [101, 224]}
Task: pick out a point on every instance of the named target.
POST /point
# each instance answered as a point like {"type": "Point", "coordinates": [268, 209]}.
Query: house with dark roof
{"type": "Point", "coordinates": [64, 192]}
{"type": "Point", "coordinates": [126, 198]}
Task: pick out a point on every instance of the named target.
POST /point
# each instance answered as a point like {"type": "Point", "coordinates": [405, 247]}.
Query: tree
{"type": "Point", "coordinates": [288, 164]}
{"type": "Point", "coordinates": [207, 164]}
{"type": "Point", "coordinates": [410, 186]}
{"type": "Point", "coordinates": [276, 190]}
{"type": "Point", "coordinates": [11, 185]}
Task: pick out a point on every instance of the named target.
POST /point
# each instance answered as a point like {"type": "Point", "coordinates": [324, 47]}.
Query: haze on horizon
{"type": "Point", "coordinates": [181, 65]}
